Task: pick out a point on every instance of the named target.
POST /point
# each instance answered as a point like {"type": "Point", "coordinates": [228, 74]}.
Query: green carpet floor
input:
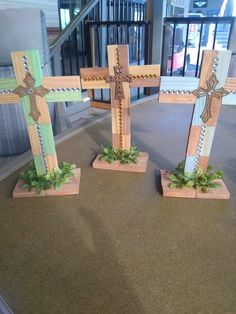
{"type": "Point", "coordinates": [119, 246]}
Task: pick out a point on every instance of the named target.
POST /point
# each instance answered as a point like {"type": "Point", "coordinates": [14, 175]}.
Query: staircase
{"type": "Point", "coordinates": [71, 50]}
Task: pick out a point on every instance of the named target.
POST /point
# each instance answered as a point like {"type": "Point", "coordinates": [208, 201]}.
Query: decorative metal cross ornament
{"type": "Point", "coordinates": [120, 77]}
{"type": "Point", "coordinates": [32, 92]}
{"type": "Point", "coordinates": [209, 93]}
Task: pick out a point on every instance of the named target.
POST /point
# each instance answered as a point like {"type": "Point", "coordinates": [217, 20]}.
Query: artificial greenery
{"type": "Point", "coordinates": [124, 156]}
{"type": "Point", "coordinates": [56, 179]}
{"type": "Point", "coordinates": [197, 180]}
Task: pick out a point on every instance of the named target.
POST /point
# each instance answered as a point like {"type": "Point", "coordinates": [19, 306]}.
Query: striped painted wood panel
{"type": "Point", "coordinates": [197, 111]}
{"type": "Point", "coordinates": [184, 85]}
{"type": "Point", "coordinates": [222, 68]}
{"type": "Point", "coordinates": [199, 158]}
{"type": "Point", "coordinates": [208, 139]}
{"type": "Point", "coordinates": [229, 100]}
{"type": "Point", "coordinates": [44, 142]}
{"type": "Point", "coordinates": [190, 163]}
{"type": "Point", "coordinates": [178, 83]}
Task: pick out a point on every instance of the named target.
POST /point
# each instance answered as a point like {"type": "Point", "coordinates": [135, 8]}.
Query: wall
{"type": "Point", "coordinates": [48, 6]}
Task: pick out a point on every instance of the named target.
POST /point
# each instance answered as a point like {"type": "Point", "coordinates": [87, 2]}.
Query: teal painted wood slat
{"type": "Point", "coordinates": [197, 111]}
{"type": "Point", "coordinates": [190, 163]}
{"type": "Point", "coordinates": [222, 67]}
{"type": "Point", "coordinates": [8, 83]}
{"type": "Point", "coordinates": [229, 100]}
{"type": "Point", "coordinates": [64, 96]}
{"type": "Point", "coordinates": [179, 83]}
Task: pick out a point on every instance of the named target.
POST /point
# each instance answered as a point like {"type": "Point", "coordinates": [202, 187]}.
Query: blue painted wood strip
{"type": "Point", "coordinates": [223, 67]}
{"type": "Point", "coordinates": [190, 163]}
{"type": "Point", "coordinates": [229, 100]}
{"type": "Point", "coordinates": [198, 109]}
{"type": "Point", "coordinates": [207, 141]}
{"type": "Point", "coordinates": [179, 83]}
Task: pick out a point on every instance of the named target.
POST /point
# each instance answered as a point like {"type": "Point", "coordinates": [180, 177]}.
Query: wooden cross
{"type": "Point", "coordinates": [207, 94]}
{"type": "Point", "coordinates": [34, 91]}
{"type": "Point", "coordinates": [120, 77]}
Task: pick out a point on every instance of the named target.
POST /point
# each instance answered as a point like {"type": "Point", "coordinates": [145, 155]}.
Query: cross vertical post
{"type": "Point", "coordinates": [34, 91]}
{"type": "Point", "coordinates": [120, 77]}
{"type": "Point", "coordinates": [207, 95]}
{"type": "Point", "coordinates": [206, 110]}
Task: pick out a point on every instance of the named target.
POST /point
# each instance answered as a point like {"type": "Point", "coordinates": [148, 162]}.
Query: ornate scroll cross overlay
{"type": "Point", "coordinates": [210, 92]}
{"type": "Point", "coordinates": [118, 78]}
{"type": "Point", "coordinates": [32, 92]}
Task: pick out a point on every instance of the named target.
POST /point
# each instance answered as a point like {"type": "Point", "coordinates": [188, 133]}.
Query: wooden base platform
{"type": "Point", "coordinates": [218, 193]}
{"type": "Point", "coordinates": [70, 188]}
{"type": "Point", "coordinates": [141, 166]}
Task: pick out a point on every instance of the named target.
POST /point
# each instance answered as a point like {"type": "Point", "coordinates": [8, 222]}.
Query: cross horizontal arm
{"type": "Point", "coordinates": [177, 89]}
{"type": "Point", "coordinates": [66, 88]}
{"type": "Point", "coordinates": [7, 85]}
{"type": "Point", "coordinates": [63, 88]}
{"type": "Point", "coordinates": [145, 75]}
{"type": "Point", "coordinates": [230, 86]}
{"type": "Point", "coordinates": [94, 78]}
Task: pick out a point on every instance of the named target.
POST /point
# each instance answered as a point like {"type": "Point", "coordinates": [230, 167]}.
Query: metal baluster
{"type": "Point", "coordinates": [138, 54]}
{"type": "Point", "coordinates": [82, 32]}
{"type": "Point", "coordinates": [123, 10]}
{"type": "Point", "coordinates": [99, 55]}
{"type": "Point", "coordinates": [76, 50]}
{"type": "Point", "coordinates": [185, 49]}
{"type": "Point", "coordinates": [62, 60]}
{"type": "Point", "coordinates": [117, 34]}
{"type": "Point", "coordinates": [118, 11]}
{"type": "Point", "coordinates": [230, 33]}
{"type": "Point", "coordinates": [215, 32]}
{"type": "Point", "coordinates": [113, 17]}
{"type": "Point", "coordinates": [173, 48]}
{"type": "Point", "coordinates": [199, 50]}
{"type": "Point", "coordinates": [108, 10]}
{"type": "Point", "coordinates": [70, 56]}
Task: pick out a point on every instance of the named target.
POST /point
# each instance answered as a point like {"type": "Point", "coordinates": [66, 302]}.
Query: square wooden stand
{"type": "Point", "coordinates": [141, 166]}
{"type": "Point", "coordinates": [70, 188]}
{"type": "Point", "coordinates": [218, 193]}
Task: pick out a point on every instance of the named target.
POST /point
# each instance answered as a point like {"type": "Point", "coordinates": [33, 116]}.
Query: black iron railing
{"type": "Point", "coordinates": [100, 34]}
{"type": "Point", "coordinates": [184, 39]}
{"type": "Point", "coordinates": [108, 10]}
{"type": "Point", "coordinates": [69, 52]}
{"type": "Point", "coordinates": [126, 10]}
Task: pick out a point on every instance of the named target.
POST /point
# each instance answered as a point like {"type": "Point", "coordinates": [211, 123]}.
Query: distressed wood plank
{"type": "Point", "coordinates": [62, 82]}
{"type": "Point", "coordinates": [177, 90]}
{"type": "Point", "coordinates": [100, 105]}
{"type": "Point", "coordinates": [9, 98]}
{"type": "Point", "coordinates": [92, 78]}
{"type": "Point", "coordinates": [145, 75]}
